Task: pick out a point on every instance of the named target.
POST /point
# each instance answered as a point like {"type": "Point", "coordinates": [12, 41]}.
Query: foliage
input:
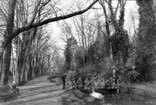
{"type": "Point", "coordinates": [70, 53]}
{"type": "Point", "coordinates": [20, 19]}
{"type": "Point", "coordinates": [120, 43]}
{"type": "Point", "coordinates": [146, 40]}
{"type": "Point", "coordinates": [68, 58]}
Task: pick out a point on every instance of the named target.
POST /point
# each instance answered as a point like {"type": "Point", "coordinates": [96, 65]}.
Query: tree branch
{"type": "Point", "coordinates": [30, 26]}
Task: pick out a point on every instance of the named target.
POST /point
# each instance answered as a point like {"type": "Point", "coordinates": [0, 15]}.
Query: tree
{"type": "Point", "coordinates": [11, 32]}
{"type": "Point", "coordinates": [146, 36]}
{"type": "Point", "coordinates": [116, 35]}
{"type": "Point", "coordinates": [70, 54]}
{"type": "Point", "coordinates": [7, 47]}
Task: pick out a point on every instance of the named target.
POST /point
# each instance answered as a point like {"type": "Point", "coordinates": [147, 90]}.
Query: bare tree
{"type": "Point", "coordinates": [11, 31]}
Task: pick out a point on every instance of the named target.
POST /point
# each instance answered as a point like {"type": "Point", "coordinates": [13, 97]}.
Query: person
{"type": "Point", "coordinates": [64, 80]}
{"type": "Point", "coordinates": [83, 78]}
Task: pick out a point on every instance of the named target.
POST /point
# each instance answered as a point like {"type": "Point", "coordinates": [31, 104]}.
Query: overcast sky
{"type": "Point", "coordinates": [55, 28]}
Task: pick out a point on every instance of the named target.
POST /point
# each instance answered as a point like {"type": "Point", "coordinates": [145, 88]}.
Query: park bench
{"type": "Point", "coordinates": [7, 92]}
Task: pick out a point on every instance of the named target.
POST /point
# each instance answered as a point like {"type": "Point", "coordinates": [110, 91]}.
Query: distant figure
{"type": "Point", "coordinates": [64, 80]}
{"type": "Point", "coordinates": [83, 78]}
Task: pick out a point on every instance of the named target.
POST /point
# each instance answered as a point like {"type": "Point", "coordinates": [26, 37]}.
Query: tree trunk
{"type": "Point", "coordinates": [23, 76]}
{"type": "Point", "coordinates": [1, 61]}
{"type": "Point", "coordinates": [30, 69]}
{"type": "Point", "coordinates": [6, 46]}
{"type": "Point", "coordinates": [6, 64]}
{"type": "Point", "coordinates": [19, 67]}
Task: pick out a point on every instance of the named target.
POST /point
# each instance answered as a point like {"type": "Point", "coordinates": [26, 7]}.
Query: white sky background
{"type": "Point", "coordinates": [55, 28]}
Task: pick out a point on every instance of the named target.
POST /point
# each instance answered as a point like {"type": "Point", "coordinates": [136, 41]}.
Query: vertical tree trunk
{"type": "Point", "coordinates": [6, 46]}
{"type": "Point", "coordinates": [20, 65]}
{"type": "Point", "coordinates": [30, 69]}
{"type": "Point", "coordinates": [6, 63]}
{"type": "Point", "coordinates": [23, 76]}
{"type": "Point", "coordinates": [1, 61]}
{"type": "Point", "coordinates": [26, 70]}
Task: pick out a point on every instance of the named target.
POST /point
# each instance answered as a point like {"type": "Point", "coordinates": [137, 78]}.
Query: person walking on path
{"type": "Point", "coordinates": [64, 80]}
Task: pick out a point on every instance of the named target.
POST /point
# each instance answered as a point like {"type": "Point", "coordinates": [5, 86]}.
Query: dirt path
{"type": "Point", "coordinates": [38, 92]}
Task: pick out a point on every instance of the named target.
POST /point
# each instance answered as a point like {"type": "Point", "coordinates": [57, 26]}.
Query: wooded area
{"type": "Point", "coordinates": [95, 47]}
{"type": "Point", "coordinates": [102, 48]}
{"type": "Point", "coordinates": [22, 36]}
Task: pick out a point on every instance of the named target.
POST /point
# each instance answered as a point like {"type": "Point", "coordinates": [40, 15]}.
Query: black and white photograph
{"type": "Point", "coordinates": [77, 52]}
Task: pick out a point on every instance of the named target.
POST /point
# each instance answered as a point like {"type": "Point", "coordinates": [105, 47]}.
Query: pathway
{"type": "Point", "coordinates": [39, 91]}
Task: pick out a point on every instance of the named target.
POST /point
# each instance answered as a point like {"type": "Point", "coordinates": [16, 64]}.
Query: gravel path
{"type": "Point", "coordinates": [39, 91]}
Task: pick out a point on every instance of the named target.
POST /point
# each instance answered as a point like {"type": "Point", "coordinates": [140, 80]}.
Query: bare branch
{"type": "Point", "coordinates": [30, 26]}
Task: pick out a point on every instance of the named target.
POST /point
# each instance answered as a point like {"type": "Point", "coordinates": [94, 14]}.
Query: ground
{"type": "Point", "coordinates": [145, 89]}
{"type": "Point", "coordinates": [40, 91]}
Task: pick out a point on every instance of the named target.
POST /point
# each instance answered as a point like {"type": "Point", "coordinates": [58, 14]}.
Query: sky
{"type": "Point", "coordinates": [131, 10]}
{"type": "Point", "coordinates": [55, 28]}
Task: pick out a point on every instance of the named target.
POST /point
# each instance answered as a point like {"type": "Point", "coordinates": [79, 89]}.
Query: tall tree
{"type": "Point", "coordinates": [11, 32]}
{"type": "Point", "coordinates": [118, 42]}
{"type": "Point", "coordinates": [6, 47]}
{"type": "Point", "coordinates": [146, 36]}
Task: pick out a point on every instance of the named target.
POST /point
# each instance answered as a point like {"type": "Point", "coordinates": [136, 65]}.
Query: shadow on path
{"type": "Point", "coordinates": [38, 92]}
{"type": "Point", "coordinates": [42, 92]}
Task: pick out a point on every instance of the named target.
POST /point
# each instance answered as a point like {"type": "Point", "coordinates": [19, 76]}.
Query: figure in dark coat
{"type": "Point", "coordinates": [64, 80]}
